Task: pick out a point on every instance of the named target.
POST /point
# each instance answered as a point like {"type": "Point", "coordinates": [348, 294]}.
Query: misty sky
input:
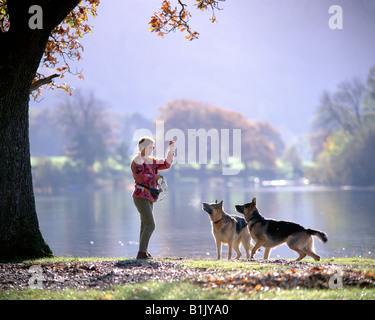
{"type": "Point", "coordinates": [268, 59]}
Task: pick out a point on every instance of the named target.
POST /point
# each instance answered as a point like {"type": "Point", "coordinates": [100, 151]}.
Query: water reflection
{"type": "Point", "coordinates": [106, 223]}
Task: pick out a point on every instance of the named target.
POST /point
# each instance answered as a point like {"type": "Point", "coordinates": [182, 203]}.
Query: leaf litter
{"type": "Point", "coordinates": [104, 274]}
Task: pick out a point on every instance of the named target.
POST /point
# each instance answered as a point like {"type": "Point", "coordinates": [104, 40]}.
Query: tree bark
{"type": "Point", "coordinates": [20, 55]}
{"type": "Point", "coordinates": [20, 236]}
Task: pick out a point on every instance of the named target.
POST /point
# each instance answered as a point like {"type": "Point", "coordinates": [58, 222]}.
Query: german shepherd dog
{"type": "Point", "coordinates": [228, 229]}
{"type": "Point", "coordinates": [270, 233]}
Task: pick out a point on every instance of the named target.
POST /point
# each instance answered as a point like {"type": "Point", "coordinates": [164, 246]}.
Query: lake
{"type": "Point", "coordinates": [106, 223]}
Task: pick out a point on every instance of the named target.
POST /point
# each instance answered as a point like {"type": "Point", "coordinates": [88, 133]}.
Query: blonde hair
{"type": "Point", "coordinates": [144, 142]}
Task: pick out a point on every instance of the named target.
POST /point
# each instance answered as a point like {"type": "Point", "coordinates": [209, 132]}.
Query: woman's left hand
{"type": "Point", "coordinates": [172, 146]}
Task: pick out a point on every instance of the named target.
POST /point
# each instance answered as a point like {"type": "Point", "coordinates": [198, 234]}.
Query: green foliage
{"type": "Point", "coordinates": [47, 176]}
{"type": "Point", "coordinates": [292, 158]}
{"type": "Point", "coordinates": [54, 174]}
{"type": "Point", "coordinates": [347, 160]}
{"type": "Point", "coordinates": [346, 134]}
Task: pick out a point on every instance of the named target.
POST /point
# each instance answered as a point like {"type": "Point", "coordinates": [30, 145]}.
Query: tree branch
{"type": "Point", "coordinates": [42, 82]}
{"type": "Point", "coordinates": [56, 11]}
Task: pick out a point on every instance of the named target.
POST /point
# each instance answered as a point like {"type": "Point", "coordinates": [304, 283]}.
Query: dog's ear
{"type": "Point", "coordinates": [221, 203]}
{"type": "Point", "coordinates": [215, 201]}
{"type": "Point", "coordinates": [254, 202]}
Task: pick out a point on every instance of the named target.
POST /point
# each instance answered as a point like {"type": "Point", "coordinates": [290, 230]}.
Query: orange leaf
{"type": "Point", "coordinates": [258, 287]}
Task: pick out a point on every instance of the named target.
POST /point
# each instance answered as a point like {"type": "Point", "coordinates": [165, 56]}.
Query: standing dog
{"type": "Point", "coordinates": [270, 233]}
{"type": "Point", "coordinates": [228, 229]}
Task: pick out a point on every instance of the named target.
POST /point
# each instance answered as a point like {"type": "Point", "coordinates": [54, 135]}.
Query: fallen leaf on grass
{"type": "Point", "coordinates": [258, 287]}
{"type": "Point", "coordinates": [315, 278]}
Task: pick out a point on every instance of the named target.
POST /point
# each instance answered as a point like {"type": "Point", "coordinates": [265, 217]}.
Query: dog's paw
{"type": "Point", "coordinates": [251, 259]}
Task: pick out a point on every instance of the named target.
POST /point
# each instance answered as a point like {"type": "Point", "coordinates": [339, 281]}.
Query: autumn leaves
{"type": "Point", "coordinates": [64, 43]}
{"type": "Point", "coordinates": [168, 19]}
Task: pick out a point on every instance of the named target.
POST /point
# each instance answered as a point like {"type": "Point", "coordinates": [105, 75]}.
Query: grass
{"type": "Point", "coordinates": [359, 264]}
{"type": "Point", "coordinates": [186, 290]}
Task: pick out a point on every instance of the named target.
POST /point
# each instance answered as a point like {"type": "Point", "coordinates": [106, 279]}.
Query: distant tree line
{"type": "Point", "coordinates": [85, 132]}
{"type": "Point", "coordinates": [81, 143]}
{"type": "Point", "coordinates": [261, 143]}
{"type": "Point", "coordinates": [343, 141]}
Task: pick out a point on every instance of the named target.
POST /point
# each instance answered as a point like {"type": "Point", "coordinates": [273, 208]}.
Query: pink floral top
{"type": "Point", "coordinates": [146, 174]}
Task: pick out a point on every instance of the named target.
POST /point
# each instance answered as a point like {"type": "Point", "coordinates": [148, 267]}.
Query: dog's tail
{"type": "Point", "coordinates": [321, 235]}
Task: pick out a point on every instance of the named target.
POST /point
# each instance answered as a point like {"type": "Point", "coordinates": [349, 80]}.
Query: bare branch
{"type": "Point", "coordinates": [42, 82]}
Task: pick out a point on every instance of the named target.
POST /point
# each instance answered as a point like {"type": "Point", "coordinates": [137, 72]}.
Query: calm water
{"type": "Point", "coordinates": [106, 224]}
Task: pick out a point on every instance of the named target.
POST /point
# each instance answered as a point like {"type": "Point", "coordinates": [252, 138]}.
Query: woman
{"type": "Point", "coordinates": [145, 173]}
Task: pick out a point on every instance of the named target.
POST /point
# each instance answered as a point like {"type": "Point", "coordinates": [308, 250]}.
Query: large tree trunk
{"type": "Point", "coordinates": [20, 55]}
{"type": "Point", "coordinates": [20, 236]}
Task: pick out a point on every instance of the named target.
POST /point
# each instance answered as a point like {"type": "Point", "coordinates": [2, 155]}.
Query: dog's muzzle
{"type": "Point", "coordinates": [207, 208]}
